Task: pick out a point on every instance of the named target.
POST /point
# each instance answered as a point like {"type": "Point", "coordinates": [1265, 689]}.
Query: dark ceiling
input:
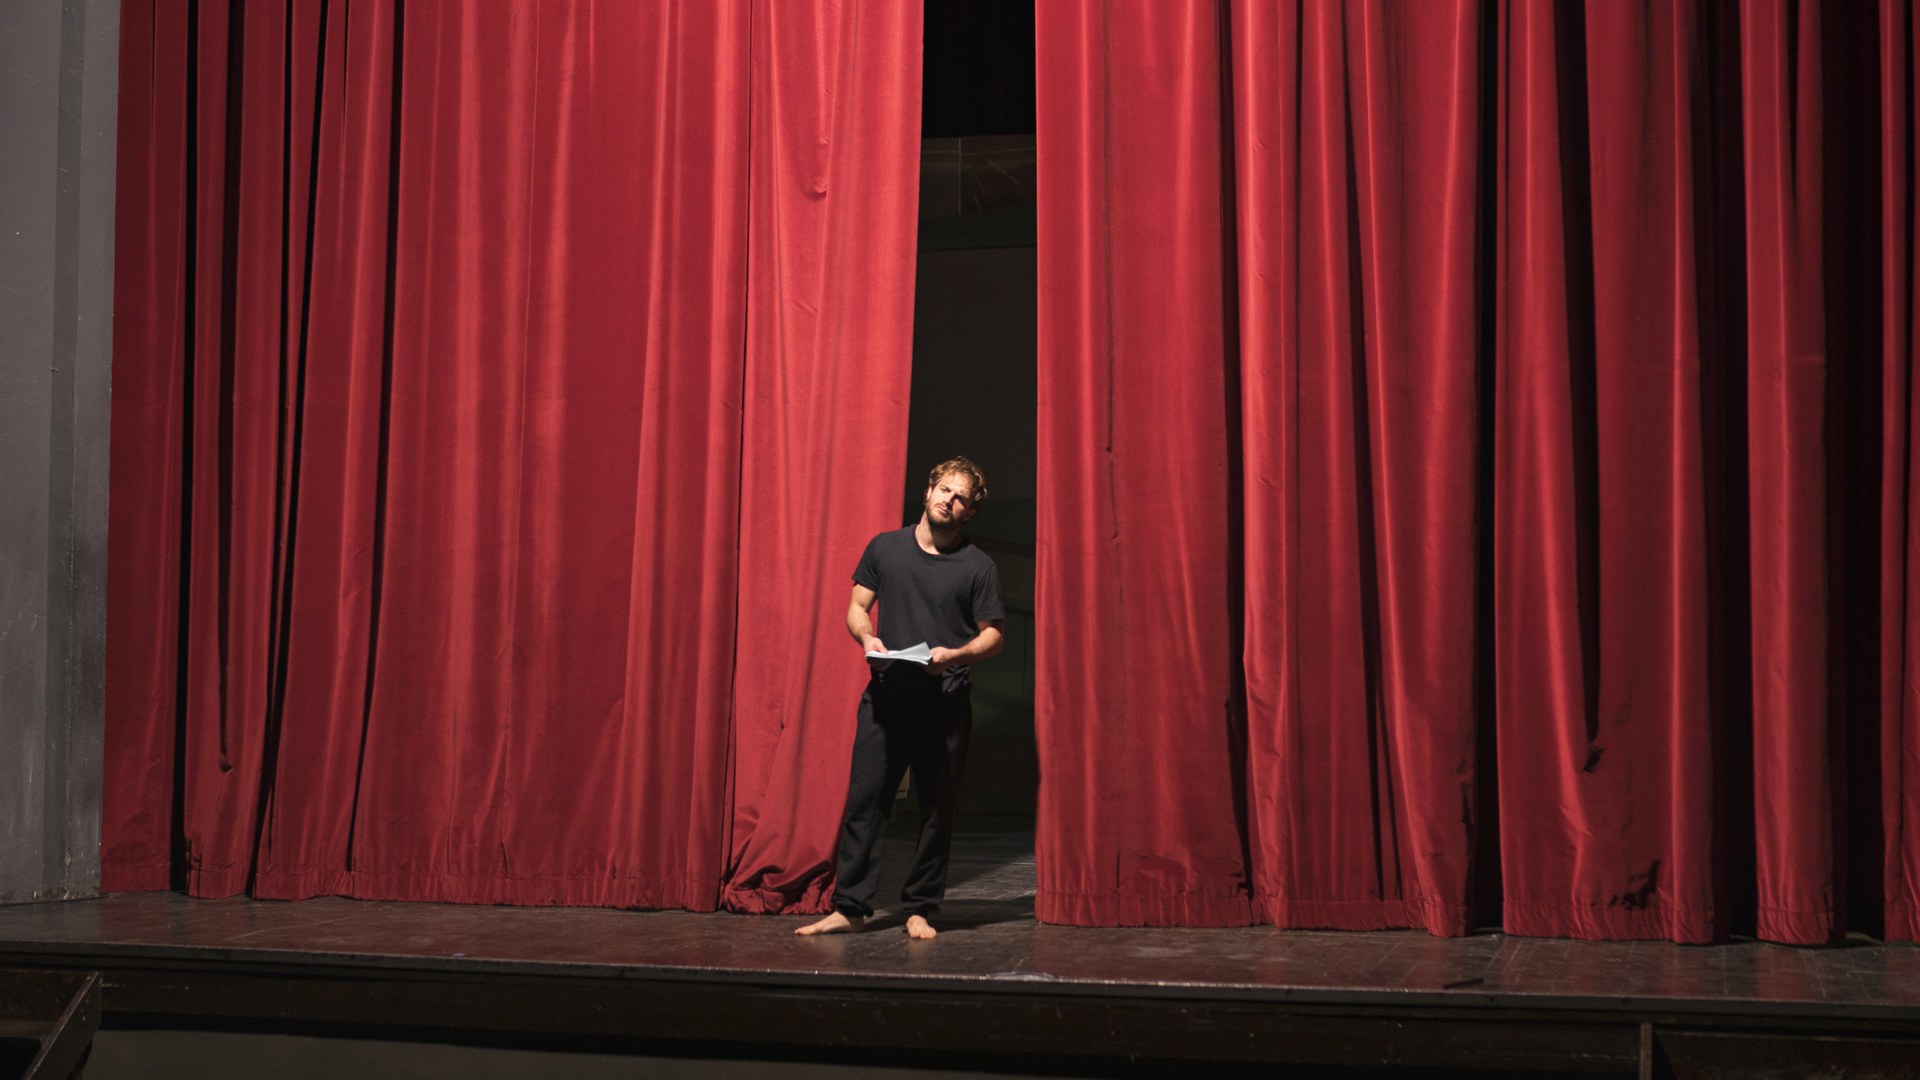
{"type": "Point", "coordinates": [979, 68]}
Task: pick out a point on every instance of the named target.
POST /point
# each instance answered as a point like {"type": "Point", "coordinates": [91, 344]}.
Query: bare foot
{"type": "Point", "coordinates": [835, 923]}
{"type": "Point", "coordinates": [919, 929]}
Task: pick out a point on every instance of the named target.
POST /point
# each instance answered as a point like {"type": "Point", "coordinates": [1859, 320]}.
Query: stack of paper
{"type": "Point", "coordinates": [913, 654]}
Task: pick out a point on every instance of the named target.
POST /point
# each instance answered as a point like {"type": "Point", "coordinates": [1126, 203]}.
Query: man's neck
{"type": "Point", "coordinates": [934, 539]}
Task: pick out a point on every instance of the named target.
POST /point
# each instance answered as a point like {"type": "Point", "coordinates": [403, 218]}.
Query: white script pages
{"type": "Point", "coordinates": [912, 654]}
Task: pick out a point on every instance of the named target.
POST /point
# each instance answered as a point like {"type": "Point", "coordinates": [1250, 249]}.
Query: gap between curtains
{"type": "Point", "coordinates": [496, 393]}
{"type": "Point", "coordinates": [1476, 436]}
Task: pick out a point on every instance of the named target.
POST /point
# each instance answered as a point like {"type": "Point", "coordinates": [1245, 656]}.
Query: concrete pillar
{"type": "Point", "coordinates": [58, 81]}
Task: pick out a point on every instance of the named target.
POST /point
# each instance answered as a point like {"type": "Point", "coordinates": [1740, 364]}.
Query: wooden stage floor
{"type": "Point", "coordinates": [996, 991]}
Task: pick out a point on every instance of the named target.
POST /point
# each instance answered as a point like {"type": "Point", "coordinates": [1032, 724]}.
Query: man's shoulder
{"type": "Point", "coordinates": [889, 543]}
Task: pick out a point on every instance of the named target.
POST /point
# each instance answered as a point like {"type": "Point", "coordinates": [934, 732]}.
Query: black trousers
{"type": "Point", "coordinates": [902, 722]}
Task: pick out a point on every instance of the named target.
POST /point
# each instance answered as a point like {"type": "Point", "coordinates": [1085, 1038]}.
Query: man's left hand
{"type": "Point", "coordinates": [941, 659]}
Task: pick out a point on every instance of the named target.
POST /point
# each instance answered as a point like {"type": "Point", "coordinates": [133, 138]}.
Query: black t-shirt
{"type": "Point", "coordinates": [939, 599]}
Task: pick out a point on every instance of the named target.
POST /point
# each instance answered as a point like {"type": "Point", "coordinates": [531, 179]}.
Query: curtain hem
{"type": "Point", "coordinates": [1902, 921]}
{"type": "Point", "coordinates": [1436, 917]}
{"type": "Point", "coordinates": [1655, 922]}
{"type": "Point", "coordinates": [136, 877]}
{"type": "Point", "coordinates": [1791, 927]}
{"type": "Point", "coordinates": [811, 900]}
{"type": "Point", "coordinates": [1133, 909]}
{"type": "Point", "coordinates": [644, 893]}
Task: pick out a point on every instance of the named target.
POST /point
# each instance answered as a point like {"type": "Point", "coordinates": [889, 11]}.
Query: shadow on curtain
{"type": "Point", "coordinates": [1474, 468]}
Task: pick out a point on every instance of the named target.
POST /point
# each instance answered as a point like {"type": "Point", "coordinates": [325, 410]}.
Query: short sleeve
{"type": "Point", "coordinates": [867, 573]}
{"type": "Point", "coordinates": [987, 605]}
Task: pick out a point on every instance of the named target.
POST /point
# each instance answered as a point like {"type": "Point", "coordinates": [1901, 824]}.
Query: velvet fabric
{"type": "Point", "coordinates": [1474, 467]}
{"type": "Point", "coordinates": [502, 393]}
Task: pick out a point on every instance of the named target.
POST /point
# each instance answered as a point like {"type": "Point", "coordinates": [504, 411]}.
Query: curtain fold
{"type": "Point", "coordinates": [833, 228]}
{"type": "Point", "coordinates": [1799, 779]}
{"type": "Point", "coordinates": [1356, 248]}
{"type": "Point", "coordinates": [452, 345]}
{"type": "Point", "coordinates": [1607, 797]}
{"type": "Point", "coordinates": [1898, 681]}
{"type": "Point", "coordinates": [1557, 459]}
{"type": "Point", "coordinates": [1135, 656]}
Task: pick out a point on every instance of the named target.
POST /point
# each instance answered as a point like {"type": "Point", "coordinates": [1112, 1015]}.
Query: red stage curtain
{"type": "Point", "coordinates": [1467, 433]}
{"type": "Point", "coordinates": [833, 228]}
{"type": "Point", "coordinates": [1135, 654]}
{"type": "Point", "coordinates": [500, 396]}
{"type": "Point", "coordinates": [1896, 682]}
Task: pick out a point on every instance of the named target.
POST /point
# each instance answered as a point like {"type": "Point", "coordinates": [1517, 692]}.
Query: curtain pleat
{"type": "Point", "coordinates": [1359, 564]}
{"type": "Point", "coordinates": [486, 385]}
{"type": "Point", "coordinates": [1798, 778]}
{"type": "Point", "coordinates": [1135, 664]}
{"type": "Point", "coordinates": [140, 729]}
{"type": "Point", "coordinates": [832, 233]}
{"type": "Point", "coordinates": [1607, 810]}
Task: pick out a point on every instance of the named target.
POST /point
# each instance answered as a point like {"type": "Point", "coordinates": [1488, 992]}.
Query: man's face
{"type": "Point", "coordinates": [950, 501]}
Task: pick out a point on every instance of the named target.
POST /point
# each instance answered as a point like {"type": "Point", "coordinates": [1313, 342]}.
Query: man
{"type": "Point", "coordinates": [933, 587]}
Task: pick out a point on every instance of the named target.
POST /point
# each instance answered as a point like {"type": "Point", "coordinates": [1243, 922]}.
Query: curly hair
{"type": "Point", "coordinates": [965, 468]}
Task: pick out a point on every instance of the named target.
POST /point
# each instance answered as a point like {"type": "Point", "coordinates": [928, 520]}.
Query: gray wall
{"type": "Point", "coordinates": [57, 104]}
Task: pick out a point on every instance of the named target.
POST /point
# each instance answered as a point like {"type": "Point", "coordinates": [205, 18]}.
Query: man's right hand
{"type": "Point", "coordinates": [874, 644]}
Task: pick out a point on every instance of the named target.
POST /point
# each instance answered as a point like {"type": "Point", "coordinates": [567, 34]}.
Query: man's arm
{"type": "Point", "coordinates": [860, 621]}
{"type": "Point", "coordinates": [985, 644]}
